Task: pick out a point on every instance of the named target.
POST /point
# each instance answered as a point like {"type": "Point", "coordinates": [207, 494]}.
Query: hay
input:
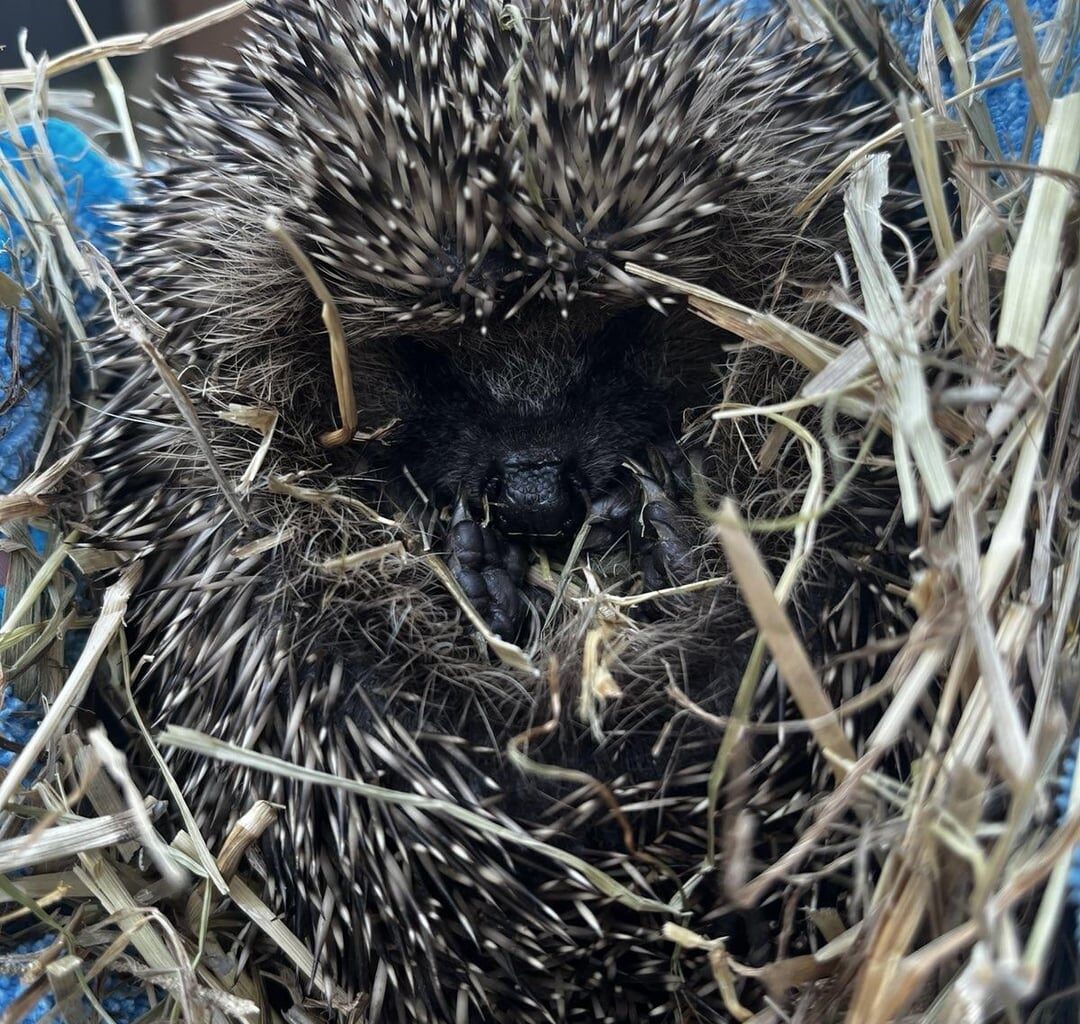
{"type": "Point", "coordinates": [913, 863]}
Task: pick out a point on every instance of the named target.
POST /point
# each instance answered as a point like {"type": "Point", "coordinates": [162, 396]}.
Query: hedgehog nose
{"type": "Point", "coordinates": [535, 496]}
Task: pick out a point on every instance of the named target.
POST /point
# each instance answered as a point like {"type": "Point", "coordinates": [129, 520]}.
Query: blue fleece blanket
{"type": "Point", "coordinates": [91, 180]}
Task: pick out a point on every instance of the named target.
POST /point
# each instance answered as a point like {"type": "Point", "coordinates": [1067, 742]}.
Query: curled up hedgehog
{"type": "Point", "coordinates": [428, 513]}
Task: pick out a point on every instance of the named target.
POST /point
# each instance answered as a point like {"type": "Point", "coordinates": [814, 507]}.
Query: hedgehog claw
{"type": "Point", "coordinates": [666, 557]}
{"type": "Point", "coordinates": [610, 517]}
{"type": "Point", "coordinates": [664, 554]}
{"type": "Point", "coordinates": [490, 570]}
{"type": "Point", "coordinates": [669, 467]}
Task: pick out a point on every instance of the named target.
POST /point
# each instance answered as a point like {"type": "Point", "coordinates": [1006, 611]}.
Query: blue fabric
{"type": "Point", "coordinates": [120, 1001]}
{"type": "Point", "coordinates": [1007, 103]}
{"type": "Point", "coordinates": [90, 180]}
{"type": "Point", "coordinates": [18, 720]}
{"type": "Point", "coordinates": [124, 1000]}
{"type": "Point", "coordinates": [1068, 775]}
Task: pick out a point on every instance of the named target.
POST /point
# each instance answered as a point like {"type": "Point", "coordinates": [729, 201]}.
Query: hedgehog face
{"type": "Point", "coordinates": [485, 187]}
{"type": "Point", "coordinates": [533, 430]}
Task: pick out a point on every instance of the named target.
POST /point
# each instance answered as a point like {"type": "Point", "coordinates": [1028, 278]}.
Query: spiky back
{"type": "Point", "coordinates": [452, 161]}
{"type": "Point", "coordinates": [444, 164]}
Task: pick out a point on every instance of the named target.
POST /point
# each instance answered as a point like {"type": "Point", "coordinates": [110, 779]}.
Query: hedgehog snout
{"type": "Point", "coordinates": [535, 495]}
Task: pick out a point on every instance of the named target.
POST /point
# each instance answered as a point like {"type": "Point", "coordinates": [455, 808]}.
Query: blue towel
{"type": "Point", "coordinates": [1068, 777]}
{"type": "Point", "coordinates": [18, 720]}
{"type": "Point", "coordinates": [1007, 103]}
{"type": "Point", "coordinates": [90, 180]}
{"type": "Point", "coordinates": [120, 1000]}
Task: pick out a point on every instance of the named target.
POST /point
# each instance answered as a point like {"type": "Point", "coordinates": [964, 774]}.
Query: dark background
{"type": "Point", "coordinates": [52, 30]}
{"type": "Point", "coordinates": [52, 27]}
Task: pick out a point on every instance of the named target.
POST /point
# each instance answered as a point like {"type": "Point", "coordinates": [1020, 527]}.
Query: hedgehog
{"type": "Point", "coordinates": [415, 467]}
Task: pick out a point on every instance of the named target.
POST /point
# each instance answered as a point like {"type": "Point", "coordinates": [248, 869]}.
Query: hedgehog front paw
{"type": "Point", "coordinates": [611, 518]}
{"type": "Point", "coordinates": [666, 555]}
{"type": "Point", "coordinates": [490, 569]}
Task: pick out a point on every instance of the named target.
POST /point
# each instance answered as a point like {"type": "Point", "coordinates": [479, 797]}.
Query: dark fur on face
{"type": "Point", "coordinates": [539, 429]}
{"type": "Point", "coordinates": [528, 432]}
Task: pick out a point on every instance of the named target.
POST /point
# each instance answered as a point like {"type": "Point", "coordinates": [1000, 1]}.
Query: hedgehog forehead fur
{"type": "Point", "coordinates": [469, 179]}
